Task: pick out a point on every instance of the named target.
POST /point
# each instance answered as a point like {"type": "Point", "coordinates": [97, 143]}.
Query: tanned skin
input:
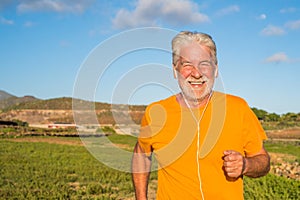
{"type": "Point", "coordinates": [141, 165]}
{"type": "Point", "coordinates": [253, 166]}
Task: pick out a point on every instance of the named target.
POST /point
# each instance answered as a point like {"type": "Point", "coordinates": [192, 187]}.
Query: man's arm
{"type": "Point", "coordinates": [257, 165]}
{"type": "Point", "coordinates": [141, 165]}
{"type": "Point", "coordinates": [253, 166]}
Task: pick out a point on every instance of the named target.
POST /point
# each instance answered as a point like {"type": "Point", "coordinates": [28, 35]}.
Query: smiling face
{"type": "Point", "coordinates": [196, 71]}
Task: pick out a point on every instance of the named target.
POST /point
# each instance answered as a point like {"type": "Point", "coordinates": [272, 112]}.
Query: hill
{"type": "Point", "coordinates": [7, 100]}
{"type": "Point", "coordinates": [62, 103]}
{"type": "Point", "coordinates": [37, 111]}
{"type": "Point", "coordinates": [60, 110]}
{"type": "Point", "coordinates": [5, 95]}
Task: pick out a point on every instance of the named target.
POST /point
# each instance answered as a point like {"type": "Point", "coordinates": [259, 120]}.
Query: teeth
{"type": "Point", "coordinates": [196, 83]}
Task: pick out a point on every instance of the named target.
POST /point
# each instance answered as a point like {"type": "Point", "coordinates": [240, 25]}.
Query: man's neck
{"type": "Point", "coordinates": [192, 103]}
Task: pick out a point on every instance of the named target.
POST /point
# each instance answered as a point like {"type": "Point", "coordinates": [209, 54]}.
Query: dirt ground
{"type": "Point", "coordinates": [291, 133]}
{"type": "Point", "coordinates": [50, 140]}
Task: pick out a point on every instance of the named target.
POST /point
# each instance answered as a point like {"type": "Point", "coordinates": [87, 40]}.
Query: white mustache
{"type": "Point", "coordinates": [202, 79]}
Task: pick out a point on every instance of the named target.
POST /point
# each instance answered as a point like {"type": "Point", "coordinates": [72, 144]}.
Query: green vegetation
{"type": "Point", "coordinates": [271, 121]}
{"type": "Point", "coordinates": [106, 130]}
{"type": "Point", "coordinates": [7, 130]}
{"type": "Point", "coordinates": [18, 131]}
{"type": "Point", "coordinates": [123, 139]}
{"type": "Point", "coordinates": [271, 187]}
{"type": "Point", "coordinates": [290, 148]}
{"type": "Point", "coordinates": [66, 103]}
{"type": "Point", "coordinates": [54, 171]}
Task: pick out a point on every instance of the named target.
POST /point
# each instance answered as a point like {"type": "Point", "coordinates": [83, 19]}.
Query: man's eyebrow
{"type": "Point", "coordinates": [186, 61]}
{"type": "Point", "coordinates": [205, 61]}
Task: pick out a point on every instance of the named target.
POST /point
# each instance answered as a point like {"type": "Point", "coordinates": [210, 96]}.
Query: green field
{"type": "Point", "coordinates": [43, 170]}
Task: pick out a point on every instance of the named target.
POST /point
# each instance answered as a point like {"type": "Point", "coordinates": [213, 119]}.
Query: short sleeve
{"type": "Point", "coordinates": [144, 138]}
{"type": "Point", "coordinates": [253, 133]}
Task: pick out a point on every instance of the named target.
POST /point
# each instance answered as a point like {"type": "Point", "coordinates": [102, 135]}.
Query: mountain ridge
{"type": "Point", "coordinates": [7, 100]}
{"type": "Point", "coordinates": [5, 95]}
{"type": "Point", "coordinates": [39, 111]}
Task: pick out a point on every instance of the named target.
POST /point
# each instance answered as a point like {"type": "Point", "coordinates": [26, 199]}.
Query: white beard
{"type": "Point", "coordinates": [190, 94]}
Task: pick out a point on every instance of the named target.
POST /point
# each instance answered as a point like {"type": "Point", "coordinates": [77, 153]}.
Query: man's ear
{"type": "Point", "coordinates": [216, 72]}
{"type": "Point", "coordinates": [175, 71]}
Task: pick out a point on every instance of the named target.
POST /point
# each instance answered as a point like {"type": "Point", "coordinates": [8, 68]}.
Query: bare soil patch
{"type": "Point", "coordinates": [292, 133]}
{"type": "Point", "coordinates": [52, 140]}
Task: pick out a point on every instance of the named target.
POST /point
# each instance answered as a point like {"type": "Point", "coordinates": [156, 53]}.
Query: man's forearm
{"type": "Point", "coordinates": [141, 165]}
{"type": "Point", "coordinates": [257, 166]}
{"type": "Point", "coordinates": [140, 182]}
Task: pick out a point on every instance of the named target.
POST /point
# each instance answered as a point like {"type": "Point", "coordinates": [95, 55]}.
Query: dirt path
{"type": "Point", "coordinates": [285, 134]}
{"type": "Point", "coordinates": [52, 140]}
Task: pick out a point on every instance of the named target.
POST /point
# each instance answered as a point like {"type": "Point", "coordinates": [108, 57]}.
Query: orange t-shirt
{"type": "Point", "coordinates": [171, 133]}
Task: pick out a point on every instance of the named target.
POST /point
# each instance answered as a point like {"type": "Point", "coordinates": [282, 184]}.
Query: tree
{"type": "Point", "coordinates": [273, 117]}
{"type": "Point", "coordinates": [260, 114]}
{"type": "Point", "coordinates": [290, 117]}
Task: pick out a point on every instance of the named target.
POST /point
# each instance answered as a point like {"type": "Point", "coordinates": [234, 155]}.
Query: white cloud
{"type": "Point", "coordinates": [293, 25]}
{"type": "Point", "coordinates": [6, 21]}
{"type": "Point", "coordinates": [288, 10]}
{"type": "Point", "coordinates": [150, 13]}
{"type": "Point", "coordinates": [75, 6]}
{"type": "Point", "coordinates": [271, 30]}
{"type": "Point", "coordinates": [262, 17]}
{"type": "Point", "coordinates": [228, 10]}
{"type": "Point", "coordinates": [277, 58]}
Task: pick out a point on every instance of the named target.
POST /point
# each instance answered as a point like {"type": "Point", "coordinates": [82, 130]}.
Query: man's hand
{"type": "Point", "coordinates": [256, 165]}
{"type": "Point", "coordinates": [234, 163]}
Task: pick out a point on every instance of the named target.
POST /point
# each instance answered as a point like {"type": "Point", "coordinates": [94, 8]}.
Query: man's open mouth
{"type": "Point", "coordinates": [196, 83]}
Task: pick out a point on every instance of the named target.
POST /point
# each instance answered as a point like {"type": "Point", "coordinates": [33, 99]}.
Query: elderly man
{"type": "Point", "coordinates": [204, 141]}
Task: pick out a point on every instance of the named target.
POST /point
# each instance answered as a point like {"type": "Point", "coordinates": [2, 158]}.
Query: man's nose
{"type": "Point", "coordinates": [196, 73]}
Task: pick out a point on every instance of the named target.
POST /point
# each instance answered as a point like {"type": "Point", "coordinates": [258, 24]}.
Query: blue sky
{"type": "Point", "coordinates": [44, 44]}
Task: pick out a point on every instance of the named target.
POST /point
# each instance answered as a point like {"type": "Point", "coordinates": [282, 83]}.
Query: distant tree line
{"type": "Point", "coordinates": [276, 121]}
{"type": "Point", "coordinates": [273, 117]}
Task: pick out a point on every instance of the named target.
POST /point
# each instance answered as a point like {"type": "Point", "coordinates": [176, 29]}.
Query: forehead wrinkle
{"type": "Point", "coordinates": [194, 52]}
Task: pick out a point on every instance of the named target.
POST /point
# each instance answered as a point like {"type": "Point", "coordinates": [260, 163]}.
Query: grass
{"type": "Point", "coordinates": [40, 170]}
{"type": "Point", "coordinates": [284, 147]}
{"type": "Point", "coordinates": [53, 171]}
{"type": "Point", "coordinates": [123, 139]}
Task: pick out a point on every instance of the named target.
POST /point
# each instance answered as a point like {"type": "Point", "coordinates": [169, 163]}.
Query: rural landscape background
{"type": "Point", "coordinates": [42, 161]}
{"type": "Point", "coordinates": [44, 48]}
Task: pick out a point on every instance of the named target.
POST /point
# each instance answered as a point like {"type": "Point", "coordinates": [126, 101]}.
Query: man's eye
{"type": "Point", "coordinates": [187, 65]}
{"type": "Point", "coordinates": [205, 64]}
